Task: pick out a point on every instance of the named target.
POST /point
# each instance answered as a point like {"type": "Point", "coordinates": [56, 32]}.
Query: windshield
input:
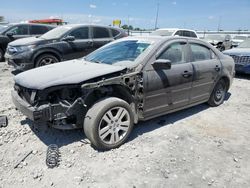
{"type": "Point", "coordinates": [121, 51]}
{"type": "Point", "coordinates": [162, 33]}
{"type": "Point", "coordinates": [214, 37]}
{"type": "Point", "coordinates": [56, 33]}
{"type": "Point", "coordinates": [245, 44]}
{"type": "Point", "coordinates": [240, 37]}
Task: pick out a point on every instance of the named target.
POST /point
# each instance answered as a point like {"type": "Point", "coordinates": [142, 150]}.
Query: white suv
{"type": "Point", "coordinates": [174, 32]}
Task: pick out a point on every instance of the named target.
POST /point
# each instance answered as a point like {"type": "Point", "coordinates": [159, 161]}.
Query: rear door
{"type": "Point", "coordinates": [81, 46]}
{"type": "Point", "coordinates": [207, 68]}
{"type": "Point", "coordinates": [101, 36]}
{"type": "Point", "coordinates": [168, 89]}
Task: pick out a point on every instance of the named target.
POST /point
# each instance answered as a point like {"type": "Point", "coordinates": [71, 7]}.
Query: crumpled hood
{"type": "Point", "coordinates": [26, 41]}
{"type": "Point", "coordinates": [238, 51]}
{"type": "Point", "coordinates": [68, 72]}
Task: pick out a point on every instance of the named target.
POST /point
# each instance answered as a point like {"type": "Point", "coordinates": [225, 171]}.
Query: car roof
{"type": "Point", "coordinates": [174, 29]}
{"type": "Point", "coordinates": [48, 25]}
{"type": "Point", "coordinates": [88, 25]}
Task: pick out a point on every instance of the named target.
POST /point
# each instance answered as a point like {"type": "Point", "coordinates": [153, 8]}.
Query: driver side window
{"type": "Point", "coordinates": [175, 53]}
{"type": "Point", "coordinates": [20, 30]}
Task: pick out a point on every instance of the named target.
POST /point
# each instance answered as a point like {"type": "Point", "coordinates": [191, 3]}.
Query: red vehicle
{"type": "Point", "coordinates": [49, 21]}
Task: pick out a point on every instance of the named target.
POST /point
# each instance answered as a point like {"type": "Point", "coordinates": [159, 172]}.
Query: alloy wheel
{"type": "Point", "coordinates": [114, 125]}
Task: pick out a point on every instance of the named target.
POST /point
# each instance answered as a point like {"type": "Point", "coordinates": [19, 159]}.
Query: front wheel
{"type": "Point", "coordinates": [108, 123]}
{"type": "Point", "coordinates": [218, 95]}
{"type": "Point", "coordinates": [46, 59]}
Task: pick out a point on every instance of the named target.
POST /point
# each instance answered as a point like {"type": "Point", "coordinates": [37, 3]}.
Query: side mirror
{"type": "Point", "coordinates": [68, 39]}
{"type": "Point", "coordinates": [162, 64]}
{"type": "Point", "coordinates": [10, 34]}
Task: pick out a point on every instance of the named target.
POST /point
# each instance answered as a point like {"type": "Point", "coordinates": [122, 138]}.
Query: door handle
{"type": "Point", "coordinates": [187, 74]}
{"type": "Point", "coordinates": [217, 68]}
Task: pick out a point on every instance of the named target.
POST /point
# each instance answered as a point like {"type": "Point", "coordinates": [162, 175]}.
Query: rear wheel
{"type": "Point", "coordinates": [108, 123]}
{"type": "Point", "coordinates": [46, 59]}
{"type": "Point", "coordinates": [218, 95]}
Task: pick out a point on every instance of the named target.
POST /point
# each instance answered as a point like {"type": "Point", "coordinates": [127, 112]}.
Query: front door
{"type": "Point", "coordinates": [166, 90]}
{"type": "Point", "coordinates": [18, 32]}
{"type": "Point", "coordinates": [81, 46]}
{"type": "Point", "coordinates": [207, 68]}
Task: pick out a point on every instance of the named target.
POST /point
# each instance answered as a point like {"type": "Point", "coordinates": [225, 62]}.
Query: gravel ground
{"type": "Point", "coordinates": [197, 147]}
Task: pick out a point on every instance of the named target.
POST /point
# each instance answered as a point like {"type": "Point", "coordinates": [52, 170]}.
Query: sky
{"type": "Point", "coordinates": [191, 14]}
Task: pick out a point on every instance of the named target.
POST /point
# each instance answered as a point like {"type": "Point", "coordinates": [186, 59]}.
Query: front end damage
{"type": "Point", "coordinates": [64, 107]}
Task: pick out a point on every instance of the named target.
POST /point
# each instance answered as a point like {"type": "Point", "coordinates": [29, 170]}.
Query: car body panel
{"type": "Point", "coordinates": [67, 72]}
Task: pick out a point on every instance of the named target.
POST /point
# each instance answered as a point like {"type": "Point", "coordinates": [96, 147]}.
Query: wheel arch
{"type": "Point", "coordinates": [48, 51]}
{"type": "Point", "coordinates": [115, 90]}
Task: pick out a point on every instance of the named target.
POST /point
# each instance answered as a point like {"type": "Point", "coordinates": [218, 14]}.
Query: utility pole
{"type": "Point", "coordinates": [157, 14]}
{"type": "Point", "coordinates": [219, 23]}
{"type": "Point", "coordinates": [128, 24]}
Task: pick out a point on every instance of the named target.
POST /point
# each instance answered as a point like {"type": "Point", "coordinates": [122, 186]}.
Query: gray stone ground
{"type": "Point", "coordinates": [197, 147]}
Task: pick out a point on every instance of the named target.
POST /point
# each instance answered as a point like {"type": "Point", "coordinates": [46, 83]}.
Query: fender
{"type": "Point", "coordinates": [44, 51]}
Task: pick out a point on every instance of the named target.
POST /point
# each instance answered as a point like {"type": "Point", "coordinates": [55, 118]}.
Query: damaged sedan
{"type": "Point", "coordinates": [124, 82]}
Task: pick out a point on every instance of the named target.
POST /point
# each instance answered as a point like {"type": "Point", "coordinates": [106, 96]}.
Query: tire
{"type": "Point", "coordinates": [1, 55]}
{"type": "Point", "coordinates": [218, 95]}
{"type": "Point", "coordinates": [102, 127]}
{"type": "Point", "coordinates": [45, 59]}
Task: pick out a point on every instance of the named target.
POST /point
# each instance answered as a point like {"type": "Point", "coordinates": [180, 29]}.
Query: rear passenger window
{"type": "Point", "coordinates": [80, 33]}
{"type": "Point", "coordinates": [192, 34]}
{"type": "Point", "coordinates": [175, 53]}
{"type": "Point", "coordinates": [99, 32]}
{"type": "Point", "coordinates": [38, 30]}
{"type": "Point", "coordinates": [200, 52]}
{"type": "Point", "coordinates": [115, 32]}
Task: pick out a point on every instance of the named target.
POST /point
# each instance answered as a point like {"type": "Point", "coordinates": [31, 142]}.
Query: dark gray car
{"type": "Point", "coordinates": [126, 81]}
{"type": "Point", "coordinates": [60, 44]}
{"type": "Point", "coordinates": [13, 32]}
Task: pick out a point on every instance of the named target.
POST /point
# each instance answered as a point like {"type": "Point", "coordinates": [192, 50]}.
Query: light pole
{"type": "Point", "coordinates": [157, 13]}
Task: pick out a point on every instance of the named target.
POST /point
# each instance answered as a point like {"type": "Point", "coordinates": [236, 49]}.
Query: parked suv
{"type": "Point", "coordinates": [60, 44]}
{"type": "Point", "coordinates": [126, 81]}
{"type": "Point", "coordinates": [175, 32]}
{"type": "Point", "coordinates": [17, 31]}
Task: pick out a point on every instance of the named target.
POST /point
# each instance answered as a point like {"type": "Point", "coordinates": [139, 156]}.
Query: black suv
{"type": "Point", "coordinates": [12, 32]}
{"type": "Point", "coordinates": [60, 44]}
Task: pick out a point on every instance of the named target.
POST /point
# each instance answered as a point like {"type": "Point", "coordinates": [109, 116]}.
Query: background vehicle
{"type": "Point", "coordinates": [241, 56]}
{"type": "Point", "coordinates": [238, 39]}
{"type": "Point", "coordinates": [17, 31]}
{"type": "Point", "coordinates": [129, 80]}
{"type": "Point", "coordinates": [62, 43]}
{"type": "Point", "coordinates": [174, 32]}
{"type": "Point", "coordinates": [221, 42]}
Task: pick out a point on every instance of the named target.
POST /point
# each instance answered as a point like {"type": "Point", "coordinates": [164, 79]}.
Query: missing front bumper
{"type": "Point", "coordinates": [40, 114]}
